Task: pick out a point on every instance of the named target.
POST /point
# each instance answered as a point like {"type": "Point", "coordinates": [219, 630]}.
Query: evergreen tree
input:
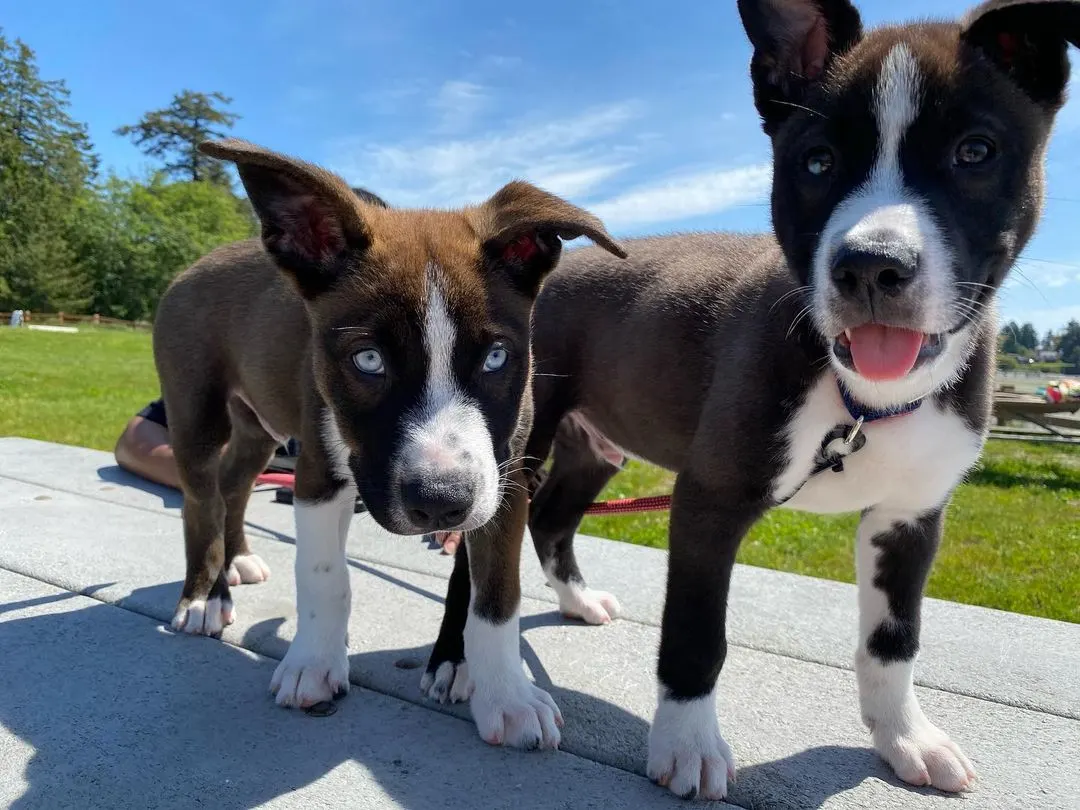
{"type": "Point", "coordinates": [172, 135]}
{"type": "Point", "coordinates": [46, 162]}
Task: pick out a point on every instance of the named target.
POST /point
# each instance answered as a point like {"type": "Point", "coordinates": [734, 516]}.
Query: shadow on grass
{"type": "Point", "coordinates": [1047, 476]}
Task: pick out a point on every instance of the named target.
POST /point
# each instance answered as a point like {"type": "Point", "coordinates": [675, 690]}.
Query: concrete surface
{"type": "Point", "coordinates": [101, 707]}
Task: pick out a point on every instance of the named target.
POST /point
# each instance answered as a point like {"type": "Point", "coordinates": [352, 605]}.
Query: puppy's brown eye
{"type": "Point", "coordinates": [973, 151]}
{"type": "Point", "coordinates": [819, 162]}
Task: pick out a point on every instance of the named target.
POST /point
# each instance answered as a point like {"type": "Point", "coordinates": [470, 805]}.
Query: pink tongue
{"type": "Point", "coordinates": [884, 352]}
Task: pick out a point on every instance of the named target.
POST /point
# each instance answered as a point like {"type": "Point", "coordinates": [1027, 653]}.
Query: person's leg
{"type": "Point", "coordinates": [143, 447]}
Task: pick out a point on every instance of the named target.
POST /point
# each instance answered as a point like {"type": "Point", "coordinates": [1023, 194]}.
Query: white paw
{"type": "Point", "coordinates": [925, 756]}
{"type": "Point", "coordinates": [449, 683]}
{"type": "Point", "coordinates": [309, 674]}
{"type": "Point", "coordinates": [517, 713]}
{"type": "Point", "coordinates": [203, 617]}
{"type": "Point", "coordinates": [592, 607]}
{"type": "Point", "coordinates": [686, 752]}
{"type": "Point", "coordinates": [248, 569]}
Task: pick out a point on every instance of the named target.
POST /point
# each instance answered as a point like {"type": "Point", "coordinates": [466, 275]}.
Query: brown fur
{"type": "Point", "coordinates": [257, 335]}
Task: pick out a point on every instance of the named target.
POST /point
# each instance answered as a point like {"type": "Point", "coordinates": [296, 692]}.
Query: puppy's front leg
{"type": "Point", "coordinates": [893, 555]}
{"type": "Point", "coordinates": [686, 750]}
{"type": "Point", "coordinates": [508, 708]}
{"type": "Point", "coordinates": [316, 667]}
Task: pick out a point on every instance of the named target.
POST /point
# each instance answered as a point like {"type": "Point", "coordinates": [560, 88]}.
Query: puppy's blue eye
{"type": "Point", "coordinates": [496, 359]}
{"type": "Point", "coordinates": [369, 361]}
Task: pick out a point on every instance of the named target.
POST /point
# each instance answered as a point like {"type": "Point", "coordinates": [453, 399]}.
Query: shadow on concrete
{"type": "Point", "coordinates": [121, 712]}
{"type": "Point", "coordinates": [170, 498]}
{"type": "Point", "coordinates": [809, 779]}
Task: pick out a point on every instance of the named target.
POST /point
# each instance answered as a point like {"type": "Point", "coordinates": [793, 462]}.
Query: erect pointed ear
{"type": "Point", "coordinates": [521, 227]}
{"type": "Point", "coordinates": [1028, 40]}
{"type": "Point", "coordinates": [312, 222]}
{"type": "Point", "coordinates": [794, 42]}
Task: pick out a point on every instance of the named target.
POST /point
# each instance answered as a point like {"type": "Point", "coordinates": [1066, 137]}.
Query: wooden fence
{"type": "Point", "coordinates": [66, 318]}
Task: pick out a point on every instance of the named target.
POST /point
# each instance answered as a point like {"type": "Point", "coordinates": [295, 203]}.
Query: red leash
{"type": "Point", "coordinates": [620, 506]}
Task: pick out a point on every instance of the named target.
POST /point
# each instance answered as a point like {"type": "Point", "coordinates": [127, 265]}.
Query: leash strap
{"type": "Point", "coordinates": [839, 443]}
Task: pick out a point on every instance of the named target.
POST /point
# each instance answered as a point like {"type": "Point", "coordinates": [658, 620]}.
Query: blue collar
{"type": "Point", "coordinates": [859, 411]}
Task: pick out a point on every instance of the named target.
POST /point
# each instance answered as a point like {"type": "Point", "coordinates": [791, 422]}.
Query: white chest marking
{"type": "Point", "coordinates": [909, 462]}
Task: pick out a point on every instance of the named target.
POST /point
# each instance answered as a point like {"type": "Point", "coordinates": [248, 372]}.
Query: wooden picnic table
{"type": "Point", "coordinates": [1059, 422]}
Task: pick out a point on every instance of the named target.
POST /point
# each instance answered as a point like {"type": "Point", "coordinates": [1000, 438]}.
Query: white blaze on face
{"type": "Point", "coordinates": [447, 433]}
{"type": "Point", "coordinates": [885, 210]}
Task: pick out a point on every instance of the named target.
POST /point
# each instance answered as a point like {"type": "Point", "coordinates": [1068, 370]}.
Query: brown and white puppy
{"type": "Point", "coordinates": [908, 177]}
{"type": "Point", "coordinates": [395, 345]}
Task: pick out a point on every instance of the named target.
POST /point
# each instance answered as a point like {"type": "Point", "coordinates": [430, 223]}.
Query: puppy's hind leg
{"type": "Point", "coordinates": [198, 429]}
{"type": "Point", "coordinates": [576, 478]}
{"type": "Point", "coordinates": [250, 449]}
{"type": "Point", "coordinates": [446, 678]}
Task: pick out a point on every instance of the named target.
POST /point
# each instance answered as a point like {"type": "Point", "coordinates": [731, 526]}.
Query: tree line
{"type": "Point", "coordinates": [72, 240]}
{"type": "Point", "coordinates": [1019, 345]}
{"type": "Point", "coordinates": [75, 240]}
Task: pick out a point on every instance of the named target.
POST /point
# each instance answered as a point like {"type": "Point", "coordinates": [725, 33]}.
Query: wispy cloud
{"type": "Point", "coordinates": [457, 104]}
{"type": "Point", "coordinates": [568, 156]}
{"type": "Point", "coordinates": [685, 197]}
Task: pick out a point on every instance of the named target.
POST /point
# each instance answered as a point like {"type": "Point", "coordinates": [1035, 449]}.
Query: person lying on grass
{"type": "Point", "coordinates": [143, 449]}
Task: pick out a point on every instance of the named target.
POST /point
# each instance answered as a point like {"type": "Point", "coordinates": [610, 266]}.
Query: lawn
{"type": "Point", "coordinates": [1012, 537]}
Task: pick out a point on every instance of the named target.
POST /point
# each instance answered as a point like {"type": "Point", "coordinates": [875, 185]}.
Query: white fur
{"type": "Point", "coordinates": [450, 683]}
{"type": "Point", "coordinates": [885, 205]}
{"type": "Point", "coordinates": [578, 602]}
{"type": "Point", "coordinates": [448, 423]}
{"type": "Point", "coordinates": [316, 665]}
{"type": "Point", "coordinates": [248, 569]}
{"type": "Point", "coordinates": [917, 750]}
{"type": "Point", "coordinates": [686, 751]}
{"type": "Point", "coordinates": [207, 618]}
{"type": "Point", "coordinates": [910, 462]}
{"type": "Point", "coordinates": [508, 708]}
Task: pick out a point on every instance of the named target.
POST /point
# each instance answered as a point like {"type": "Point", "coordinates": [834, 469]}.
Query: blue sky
{"type": "Point", "coordinates": [639, 110]}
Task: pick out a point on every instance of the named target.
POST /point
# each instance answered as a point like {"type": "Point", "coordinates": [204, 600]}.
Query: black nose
{"type": "Point", "coordinates": [437, 502]}
{"type": "Point", "coordinates": [877, 269]}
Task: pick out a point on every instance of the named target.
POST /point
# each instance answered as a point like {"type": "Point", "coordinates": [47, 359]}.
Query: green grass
{"type": "Point", "coordinates": [1012, 536]}
{"type": "Point", "coordinates": [74, 388]}
{"type": "Point", "coordinates": [1012, 533]}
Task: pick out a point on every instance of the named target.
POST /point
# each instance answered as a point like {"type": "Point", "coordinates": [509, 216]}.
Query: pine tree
{"type": "Point", "coordinates": [46, 162]}
{"type": "Point", "coordinates": [172, 135]}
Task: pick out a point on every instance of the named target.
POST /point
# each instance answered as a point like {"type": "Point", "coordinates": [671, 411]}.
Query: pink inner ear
{"type": "Point", "coordinates": [521, 249]}
{"type": "Point", "coordinates": [1007, 43]}
{"type": "Point", "coordinates": [312, 231]}
{"type": "Point", "coordinates": [815, 50]}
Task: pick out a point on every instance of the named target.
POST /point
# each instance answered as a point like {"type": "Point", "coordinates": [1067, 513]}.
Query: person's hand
{"type": "Point", "coordinates": [449, 542]}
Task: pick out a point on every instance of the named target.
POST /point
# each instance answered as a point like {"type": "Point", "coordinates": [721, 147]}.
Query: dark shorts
{"type": "Point", "coordinates": [155, 412]}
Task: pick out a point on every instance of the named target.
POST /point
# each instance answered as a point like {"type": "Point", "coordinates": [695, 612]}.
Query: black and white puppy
{"type": "Point", "coordinates": [842, 364]}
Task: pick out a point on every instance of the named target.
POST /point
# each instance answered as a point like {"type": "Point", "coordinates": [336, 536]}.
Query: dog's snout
{"type": "Point", "coordinates": [434, 503]}
{"type": "Point", "coordinates": [875, 269]}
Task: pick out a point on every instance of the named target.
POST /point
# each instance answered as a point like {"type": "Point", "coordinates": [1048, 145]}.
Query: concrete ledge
{"type": "Point", "coordinates": [787, 706]}
{"type": "Point", "coordinates": [102, 708]}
